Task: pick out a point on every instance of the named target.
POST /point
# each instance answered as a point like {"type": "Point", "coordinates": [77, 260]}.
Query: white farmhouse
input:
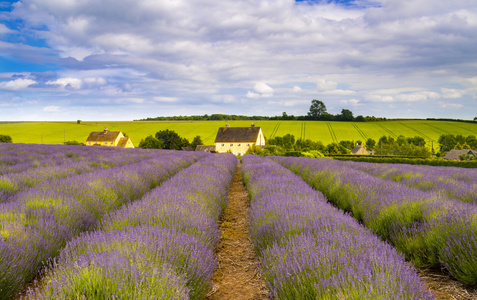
{"type": "Point", "coordinates": [238, 139]}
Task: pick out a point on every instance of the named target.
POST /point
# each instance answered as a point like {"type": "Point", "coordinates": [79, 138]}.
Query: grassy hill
{"type": "Point", "coordinates": [327, 132]}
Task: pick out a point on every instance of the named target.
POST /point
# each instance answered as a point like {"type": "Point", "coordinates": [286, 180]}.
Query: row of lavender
{"type": "Point", "coordinates": [428, 227]}
{"type": "Point", "coordinates": [457, 183]}
{"type": "Point", "coordinates": [160, 247]}
{"type": "Point", "coordinates": [16, 158]}
{"type": "Point", "coordinates": [60, 162]}
{"type": "Point", "coordinates": [37, 225]}
{"type": "Point", "coordinates": [310, 250]}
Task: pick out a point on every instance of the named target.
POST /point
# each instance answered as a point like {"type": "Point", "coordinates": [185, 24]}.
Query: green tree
{"type": "Point", "coordinates": [317, 110]}
{"type": "Point", "coordinates": [171, 140]}
{"type": "Point", "coordinates": [151, 143]}
{"type": "Point", "coordinates": [346, 115]}
{"type": "Point", "coordinates": [370, 143]}
{"type": "Point", "coordinates": [196, 141]}
{"type": "Point", "coordinates": [447, 142]}
{"type": "Point", "coordinates": [5, 138]}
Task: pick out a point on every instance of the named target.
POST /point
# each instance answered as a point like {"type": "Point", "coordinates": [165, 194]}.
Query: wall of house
{"type": "Point", "coordinates": [236, 148]}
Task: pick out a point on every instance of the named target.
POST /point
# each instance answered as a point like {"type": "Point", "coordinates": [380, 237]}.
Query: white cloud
{"type": "Point", "coordinates": [297, 89]}
{"type": "Point", "coordinates": [70, 83]}
{"type": "Point", "coordinates": [326, 85]}
{"type": "Point", "coordinates": [450, 105]}
{"type": "Point", "coordinates": [263, 88]}
{"type": "Point", "coordinates": [5, 30]}
{"type": "Point", "coordinates": [17, 84]}
{"type": "Point", "coordinates": [52, 108]}
{"type": "Point", "coordinates": [200, 49]}
{"type": "Point", "coordinates": [350, 102]}
{"type": "Point", "coordinates": [166, 99]}
{"type": "Point", "coordinates": [451, 93]}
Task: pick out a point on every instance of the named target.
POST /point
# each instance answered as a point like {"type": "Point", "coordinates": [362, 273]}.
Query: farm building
{"type": "Point", "coordinates": [359, 150]}
{"type": "Point", "coordinates": [205, 148]}
{"type": "Point", "coordinates": [238, 139]}
{"type": "Point", "coordinates": [454, 154]}
{"type": "Point", "coordinates": [109, 139]}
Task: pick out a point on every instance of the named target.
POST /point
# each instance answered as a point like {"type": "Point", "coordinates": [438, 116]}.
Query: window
{"type": "Point", "coordinates": [248, 145]}
{"type": "Point", "coordinates": [231, 145]}
{"type": "Point", "coordinates": [111, 143]}
{"type": "Point", "coordinates": [223, 145]}
{"type": "Point", "coordinates": [238, 145]}
{"type": "Point", "coordinates": [105, 143]}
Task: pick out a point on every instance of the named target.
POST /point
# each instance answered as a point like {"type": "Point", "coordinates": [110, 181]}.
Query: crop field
{"type": "Point", "coordinates": [326, 132]}
{"type": "Point", "coordinates": [108, 223]}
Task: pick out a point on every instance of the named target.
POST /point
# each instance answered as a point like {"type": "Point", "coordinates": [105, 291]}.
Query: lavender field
{"type": "Point", "coordinates": [105, 223]}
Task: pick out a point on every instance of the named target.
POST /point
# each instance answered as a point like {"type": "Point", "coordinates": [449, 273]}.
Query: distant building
{"type": "Point", "coordinates": [109, 139]}
{"type": "Point", "coordinates": [359, 150]}
{"type": "Point", "coordinates": [454, 154]}
{"type": "Point", "coordinates": [238, 139]}
{"type": "Point", "coordinates": [188, 148]}
{"type": "Point", "coordinates": [205, 148]}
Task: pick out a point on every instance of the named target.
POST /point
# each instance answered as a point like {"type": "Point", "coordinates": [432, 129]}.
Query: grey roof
{"type": "Point", "coordinates": [454, 154]}
{"type": "Point", "coordinates": [237, 134]}
{"type": "Point", "coordinates": [358, 149]}
{"type": "Point", "coordinates": [205, 148]}
{"type": "Point", "coordinates": [187, 148]}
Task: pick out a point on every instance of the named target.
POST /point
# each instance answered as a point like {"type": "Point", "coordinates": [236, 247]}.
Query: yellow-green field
{"type": "Point", "coordinates": [327, 132]}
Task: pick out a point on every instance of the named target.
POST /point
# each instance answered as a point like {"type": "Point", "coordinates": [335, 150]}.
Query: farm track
{"type": "Point", "coordinates": [363, 135]}
{"type": "Point", "coordinates": [420, 133]}
{"type": "Point", "coordinates": [332, 133]}
{"type": "Point", "coordinates": [275, 129]}
{"type": "Point", "coordinates": [387, 130]}
{"type": "Point", "coordinates": [238, 275]}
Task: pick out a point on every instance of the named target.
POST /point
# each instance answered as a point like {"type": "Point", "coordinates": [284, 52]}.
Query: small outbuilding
{"type": "Point", "coordinates": [109, 139]}
{"type": "Point", "coordinates": [454, 154]}
{"type": "Point", "coordinates": [205, 148]}
{"type": "Point", "coordinates": [238, 139]}
{"type": "Point", "coordinates": [359, 150]}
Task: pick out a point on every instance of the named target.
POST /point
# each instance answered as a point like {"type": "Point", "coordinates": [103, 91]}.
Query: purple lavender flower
{"type": "Point", "coordinates": [311, 250]}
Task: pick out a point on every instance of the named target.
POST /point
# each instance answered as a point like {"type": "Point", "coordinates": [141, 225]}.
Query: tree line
{"type": "Point", "coordinates": [316, 112]}
{"type": "Point", "coordinates": [386, 145]}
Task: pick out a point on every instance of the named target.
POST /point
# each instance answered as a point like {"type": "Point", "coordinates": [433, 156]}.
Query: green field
{"type": "Point", "coordinates": [326, 132]}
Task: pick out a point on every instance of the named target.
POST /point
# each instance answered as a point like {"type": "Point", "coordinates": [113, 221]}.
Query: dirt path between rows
{"type": "Point", "coordinates": [238, 274]}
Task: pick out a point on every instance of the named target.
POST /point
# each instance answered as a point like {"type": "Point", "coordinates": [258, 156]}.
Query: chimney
{"type": "Point", "coordinates": [253, 125]}
{"type": "Point", "coordinates": [228, 125]}
{"type": "Point", "coordinates": [106, 130]}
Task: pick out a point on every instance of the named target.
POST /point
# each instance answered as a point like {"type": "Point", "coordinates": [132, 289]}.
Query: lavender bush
{"type": "Point", "coordinates": [428, 227]}
{"type": "Point", "coordinates": [160, 247]}
{"type": "Point", "coordinates": [36, 225]}
{"type": "Point", "coordinates": [60, 162]}
{"type": "Point", "coordinates": [310, 250]}
{"type": "Point", "coordinates": [457, 183]}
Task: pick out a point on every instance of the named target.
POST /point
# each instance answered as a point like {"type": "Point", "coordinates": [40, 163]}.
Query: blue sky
{"type": "Point", "coordinates": [125, 59]}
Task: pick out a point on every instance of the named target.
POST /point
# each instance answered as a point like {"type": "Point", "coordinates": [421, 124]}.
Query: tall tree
{"type": "Point", "coordinates": [5, 138]}
{"type": "Point", "coordinates": [151, 143]}
{"type": "Point", "coordinates": [196, 141]}
{"type": "Point", "coordinates": [171, 140]}
{"type": "Point", "coordinates": [317, 110]}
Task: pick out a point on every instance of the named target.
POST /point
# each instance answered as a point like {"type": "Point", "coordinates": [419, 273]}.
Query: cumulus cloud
{"type": "Point", "coordinates": [326, 85]}
{"type": "Point", "coordinates": [218, 50]}
{"type": "Point", "coordinates": [17, 84]}
{"type": "Point", "coordinates": [261, 90]}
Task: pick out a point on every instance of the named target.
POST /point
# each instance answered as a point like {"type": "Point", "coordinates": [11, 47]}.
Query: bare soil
{"type": "Point", "coordinates": [446, 288]}
{"type": "Point", "coordinates": [238, 274]}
